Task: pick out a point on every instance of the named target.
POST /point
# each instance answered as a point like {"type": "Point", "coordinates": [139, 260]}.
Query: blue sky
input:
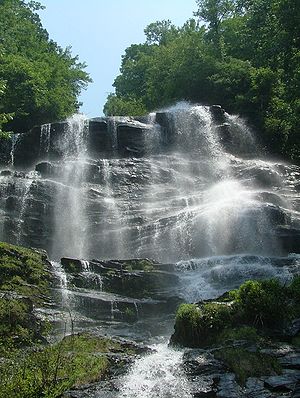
{"type": "Point", "coordinates": [100, 30]}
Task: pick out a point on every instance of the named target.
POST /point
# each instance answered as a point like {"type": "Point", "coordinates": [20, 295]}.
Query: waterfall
{"type": "Point", "coordinates": [69, 214]}
{"type": "Point", "coordinates": [14, 140]}
{"type": "Point", "coordinates": [157, 375]}
{"type": "Point", "coordinates": [45, 137]}
{"type": "Point", "coordinates": [187, 186]}
{"type": "Point", "coordinates": [23, 207]}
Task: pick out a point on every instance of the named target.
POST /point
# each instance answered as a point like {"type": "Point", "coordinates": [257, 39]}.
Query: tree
{"type": "Point", "coordinates": [118, 106]}
{"type": "Point", "coordinates": [160, 32]}
{"type": "Point", "coordinates": [43, 81]}
{"type": "Point", "coordinates": [213, 12]}
{"type": "Point", "coordinates": [4, 117]}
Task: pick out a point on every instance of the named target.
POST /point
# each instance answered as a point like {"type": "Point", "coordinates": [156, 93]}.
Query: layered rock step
{"type": "Point", "coordinates": [117, 291]}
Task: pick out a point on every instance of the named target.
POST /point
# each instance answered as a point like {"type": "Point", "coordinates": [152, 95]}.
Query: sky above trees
{"type": "Point", "coordinates": [99, 32]}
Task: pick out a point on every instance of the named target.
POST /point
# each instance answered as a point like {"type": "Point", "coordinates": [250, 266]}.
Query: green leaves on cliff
{"type": "Point", "coordinates": [245, 57]}
{"type": "Point", "coordinates": [256, 307]}
{"type": "Point", "coordinates": [42, 80]}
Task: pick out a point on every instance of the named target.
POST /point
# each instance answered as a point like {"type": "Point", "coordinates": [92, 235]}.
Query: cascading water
{"type": "Point", "coordinates": [69, 212]}
{"type": "Point", "coordinates": [184, 186]}
{"type": "Point", "coordinates": [45, 137]}
{"type": "Point", "coordinates": [157, 375]}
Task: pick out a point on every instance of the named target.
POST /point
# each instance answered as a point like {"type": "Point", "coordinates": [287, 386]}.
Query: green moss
{"type": "Point", "coordinates": [139, 265]}
{"type": "Point", "coordinates": [247, 333]}
{"type": "Point", "coordinates": [246, 364]}
{"type": "Point", "coordinates": [23, 270]}
{"type": "Point", "coordinates": [24, 282]}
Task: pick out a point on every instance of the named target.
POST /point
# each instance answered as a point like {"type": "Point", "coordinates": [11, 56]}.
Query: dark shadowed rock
{"type": "Point", "coordinates": [6, 173]}
{"type": "Point", "coordinates": [27, 148]}
{"type": "Point", "coordinates": [99, 141]}
{"type": "Point", "coordinates": [46, 169]}
{"type": "Point", "coordinates": [5, 151]}
{"type": "Point", "coordinates": [167, 127]}
{"type": "Point", "coordinates": [289, 238]}
{"type": "Point", "coordinates": [71, 265]}
{"type": "Point", "coordinates": [218, 114]}
{"type": "Point", "coordinates": [131, 140]}
{"type": "Point", "coordinates": [283, 383]}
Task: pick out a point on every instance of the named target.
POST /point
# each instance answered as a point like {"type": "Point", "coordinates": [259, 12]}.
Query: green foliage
{"type": "Point", "coordinates": [262, 303]}
{"type": "Point", "coordinates": [199, 326]}
{"type": "Point", "coordinates": [139, 264]}
{"type": "Point", "coordinates": [246, 57]}
{"type": "Point", "coordinates": [119, 106]}
{"type": "Point", "coordinates": [50, 371]}
{"type": "Point", "coordinates": [247, 333]}
{"type": "Point", "coordinates": [42, 80]}
{"type": "Point", "coordinates": [23, 284]}
{"type": "Point", "coordinates": [23, 271]}
{"type": "Point", "coordinates": [256, 307]}
{"type": "Point", "coordinates": [248, 364]}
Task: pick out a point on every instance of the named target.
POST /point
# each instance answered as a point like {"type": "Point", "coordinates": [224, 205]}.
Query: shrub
{"type": "Point", "coordinates": [261, 303]}
{"type": "Point", "coordinates": [199, 326]}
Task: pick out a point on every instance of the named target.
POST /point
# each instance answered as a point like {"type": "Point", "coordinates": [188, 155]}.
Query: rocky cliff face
{"type": "Point", "coordinates": [178, 184]}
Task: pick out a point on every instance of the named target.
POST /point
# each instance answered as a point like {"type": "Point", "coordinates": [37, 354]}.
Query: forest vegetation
{"type": "Point", "coordinates": [242, 54]}
{"type": "Point", "coordinates": [39, 81]}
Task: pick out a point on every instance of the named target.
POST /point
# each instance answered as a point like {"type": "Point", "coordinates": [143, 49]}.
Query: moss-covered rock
{"type": "Point", "coordinates": [244, 363]}
{"type": "Point", "coordinates": [24, 271]}
{"type": "Point", "coordinates": [24, 283]}
{"type": "Point", "coordinates": [199, 325]}
{"type": "Point", "coordinates": [267, 306]}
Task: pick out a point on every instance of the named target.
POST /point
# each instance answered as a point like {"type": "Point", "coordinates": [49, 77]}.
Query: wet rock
{"type": "Point", "coordinates": [218, 113]}
{"type": "Point", "coordinates": [46, 169]}
{"type": "Point", "coordinates": [291, 361]}
{"type": "Point", "coordinates": [204, 386]}
{"type": "Point", "coordinates": [11, 203]}
{"type": "Point", "coordinates": [100, 141]}
{"type": "Point", "coordinates": [223, 132]}
{"type": "Point", "coordinates": [255, 389]}
{"type": "Point", "coordinates": [296, 391]}
{"type": "Point", "coordinates": [201, 362]}
{"type": "Point", "coordinates": [284, 382]}
{"type": "Point", "coordinates": [293, 329]}
{"type": "Point", "coordinates": [71, 265]}
{"type": "Point", "coordinates": [5, 151]}
{"type": "Point", "coordinates": [27, 148]}
{"type": "Point", "coordinates": [131, 140]}
{"type": "Point", "coordinates": [6, 173]}
{"type": "Point", "coordinates": [228, 387]}
{"type": "Point", "coordinates": [289, 238]}
{"type": "Point", "coordinates": [167, 128]}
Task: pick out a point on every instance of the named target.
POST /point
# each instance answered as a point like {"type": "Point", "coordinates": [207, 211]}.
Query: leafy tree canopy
{"type": "Point", "coordinates": [43, 81]}
{"type": "Point", "coordinates": [243, 54]}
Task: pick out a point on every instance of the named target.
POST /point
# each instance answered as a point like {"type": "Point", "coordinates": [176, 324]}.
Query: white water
{"type": "Point", "coordinates": [196, 203]}
{"type": "Point", "coordinates": [45, 138]}
{"type": "Point", "coordinates": [156, 375]}
{"type": "Point", "coordinates": [69, 214]}
{"type": "Point", "coordinates": [23, 206]}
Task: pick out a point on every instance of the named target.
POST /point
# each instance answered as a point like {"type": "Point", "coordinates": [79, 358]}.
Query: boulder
{"type": "Point", "coordinates": [100, 141]}
{"type": "Point", "coordinates": [218, 114]}
{"type": "Point", "coordinates": [27, 148]}
{"type": "Point", "coordinates": [167, 128]}
{"type": "Point", "coordinates": [131, 140]}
